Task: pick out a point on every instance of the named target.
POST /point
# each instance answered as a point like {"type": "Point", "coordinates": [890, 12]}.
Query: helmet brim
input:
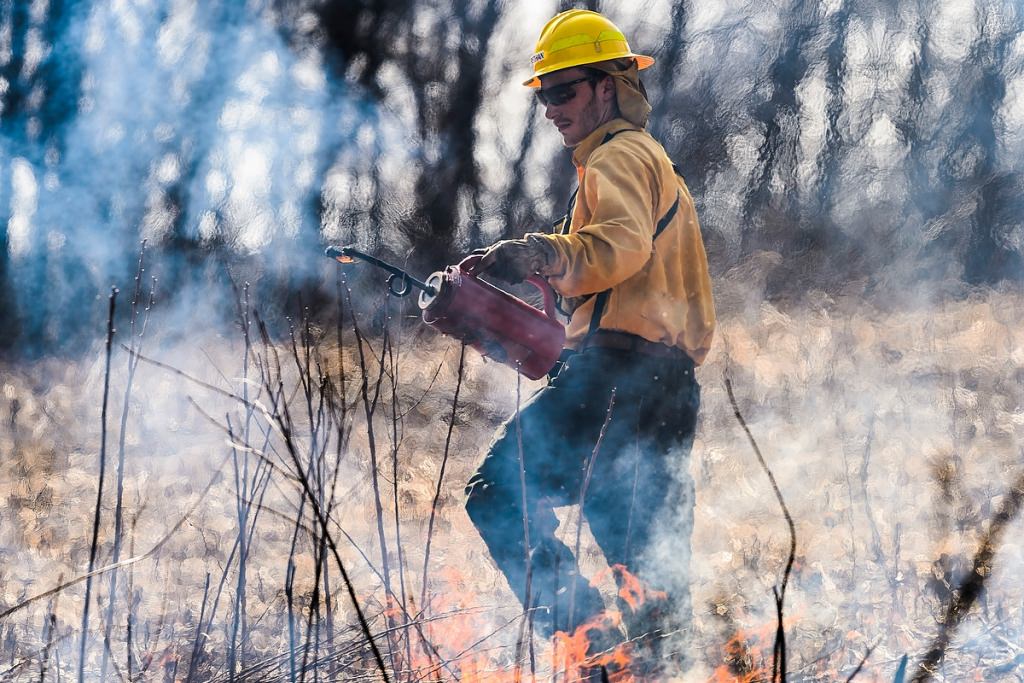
{"type": "Point", "coordinates": [642, 62]}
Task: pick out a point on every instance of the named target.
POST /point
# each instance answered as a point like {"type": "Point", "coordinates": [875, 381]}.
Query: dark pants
{"type": "Point", "coordinates": [639, 466]}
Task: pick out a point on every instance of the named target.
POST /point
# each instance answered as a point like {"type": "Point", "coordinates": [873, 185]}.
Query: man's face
{"type": "Point", "coordinates": [590, 103]}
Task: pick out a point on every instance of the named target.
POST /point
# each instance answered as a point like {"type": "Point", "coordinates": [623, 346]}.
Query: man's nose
{"type": "Point", "coordinates": [549, 110]}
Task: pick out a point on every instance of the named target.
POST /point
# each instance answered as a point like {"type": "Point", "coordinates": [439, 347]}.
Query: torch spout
{"type": "Point", "coordinates": [400, 283]}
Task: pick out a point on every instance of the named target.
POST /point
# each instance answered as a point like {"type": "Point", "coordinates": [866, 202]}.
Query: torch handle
{"type": "Point", "coordinates": [406, 280]}
{"type": "Point", "coordinates": [548, 294]}
{"type": "Point", "coordinates": [468, 264]}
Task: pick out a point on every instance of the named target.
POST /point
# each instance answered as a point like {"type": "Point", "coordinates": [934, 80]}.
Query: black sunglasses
{"type": "Point", "coordinates": [563, 92]}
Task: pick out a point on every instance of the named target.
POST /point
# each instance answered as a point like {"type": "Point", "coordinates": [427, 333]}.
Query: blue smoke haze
{"type": "Point", "coordinates": [190, 124]}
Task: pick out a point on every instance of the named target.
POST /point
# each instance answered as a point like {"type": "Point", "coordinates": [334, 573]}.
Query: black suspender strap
{"type": "Point", "coordinates": [667, 218]}
{"type": "Point", "coordinates": [609, 136]}
{"type": "Point", "coordinates": [595, 316]}
{"type": "Point", "coordinates": [601, 299]}
{"type": "Point", "coordinates": [568, 211]}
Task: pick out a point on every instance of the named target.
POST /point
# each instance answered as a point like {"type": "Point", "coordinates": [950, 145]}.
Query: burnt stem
{"type": "Point", "coordinates": [395, 444]}
{"type": "Point", "coordinates": [49, 626]}
{"type": "Point", "coordinates": [369, 409]}
{"type": "Point", "coordinates": [94, 544]}
{"type": "Point", "coordinates": [289, 592]}
{"type": "Point", "coordinates": [241, 474]}
{"type": "Point", "coordinates": [197, 640]}
{"type": "Point", "coordinates": [524, 629]}
{"type": "Point", "coordinates": [584, 485]}
{"type": "Point", "coordinates": [863, 661]}
{"type": "Point", "coordinates": [779, 651]}
{"type": "Point", "coordinates": [971, 586]}
{"type": "Point", "coordinates": [440, 476]}
{"type": "Point", "coordinates": [129, 654]}
{"type": "Point", "coordinates": [133, 363]}
{"type": "Point", "coordinates": [282, 419]}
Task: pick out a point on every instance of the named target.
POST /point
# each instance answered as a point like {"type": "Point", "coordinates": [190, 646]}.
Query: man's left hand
{"type": "Point", "coordinates": [515, 260]}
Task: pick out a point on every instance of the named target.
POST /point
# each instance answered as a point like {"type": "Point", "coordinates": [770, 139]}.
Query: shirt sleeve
{"type": "Point", "coordinates": [617, 240]}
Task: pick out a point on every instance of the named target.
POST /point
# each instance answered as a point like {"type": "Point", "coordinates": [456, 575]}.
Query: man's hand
{"type": "Point", "coordinates": [515, 260]}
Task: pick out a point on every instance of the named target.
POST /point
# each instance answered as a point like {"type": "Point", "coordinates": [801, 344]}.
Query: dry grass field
{"type": "Point", "coordinates": [894, 436]}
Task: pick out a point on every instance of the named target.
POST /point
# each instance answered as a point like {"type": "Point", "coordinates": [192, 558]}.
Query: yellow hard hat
{"type": "Point", "coordinates": [576, 38]}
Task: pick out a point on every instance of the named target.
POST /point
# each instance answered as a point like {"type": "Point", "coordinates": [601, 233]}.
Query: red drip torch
{"type": "Point", "coordinates": [497, 324]}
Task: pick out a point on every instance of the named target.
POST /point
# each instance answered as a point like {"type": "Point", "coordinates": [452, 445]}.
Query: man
{"type": "Point", "coordinates": [629, 266]}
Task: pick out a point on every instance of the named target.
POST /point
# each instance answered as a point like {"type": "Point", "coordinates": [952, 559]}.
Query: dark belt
{"type": "Point", "coordinates": [624, 341]}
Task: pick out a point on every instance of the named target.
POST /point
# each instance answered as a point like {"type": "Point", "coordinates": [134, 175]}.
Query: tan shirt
{"type": "Point", "coordinates": [660, 289]}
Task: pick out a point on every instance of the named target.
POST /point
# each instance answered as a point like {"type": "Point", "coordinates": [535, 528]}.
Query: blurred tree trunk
{"type": "Point", "coordinates": [447, 190]}
{"type": "Point", "coordinates": [835, 145]}
{"type": "Point", "coordinates": [189, 259]}
{"type": "Point", "coordinates": [519, 212]}
{"type": "Point", "coordinates": [670, 57]}
{"type": "Point", "coordinates": [967, 206]}
{"type": "Point", "coordinates": [60, 76]}
{"type": "Point", "coordinates": [772, 215]}
{"type": "Point", "coordinates": [40, 102]}
{"type": "Point", "coordinates": [990, 255]}
{"type": "Point", "coordinates": [364, 35]}
{"type": "Point", "coordinates": [928, 199]}
{"type": "Point", "coordinates": [12, 129]}
{"type": "Point", "coordinates": [443, 53]}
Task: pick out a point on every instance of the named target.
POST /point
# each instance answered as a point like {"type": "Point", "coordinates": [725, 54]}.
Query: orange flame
{"type": "Point", "coordinates": [452, 641]}
{"type": "Point", "coordinates": [571, 651]}
{"type": "Point", "coordinates": [744, 655]}
{"type": "Point", "coordinates": [342, 258]}
{"type": "Point", "coordinates": [632, 591]}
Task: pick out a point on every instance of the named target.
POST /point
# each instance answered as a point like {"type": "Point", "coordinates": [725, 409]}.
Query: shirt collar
{"type": "Point", "coordinates": [581, 153]}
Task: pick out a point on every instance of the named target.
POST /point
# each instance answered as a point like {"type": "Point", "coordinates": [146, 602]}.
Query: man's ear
{"type": "Point", "coordinates": [606, 88]}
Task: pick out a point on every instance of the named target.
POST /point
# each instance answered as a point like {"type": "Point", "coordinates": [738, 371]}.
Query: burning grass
{"type": "Point", "coordinates": [892, 435]}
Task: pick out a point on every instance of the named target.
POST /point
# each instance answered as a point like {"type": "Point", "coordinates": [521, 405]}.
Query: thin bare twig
{"type": "Point", "coordinates": [430, 385]}
{"type": "Point", "coordinates": [289, 592]}
{"type": "Point", "coordinates": [197, 640]}
{"type": "Point", "coordinates": [779, 650]}
{"type": "Point", "coordinates": [190, 378]}
{"type": "Point", "coordinates": [584, 485]}
{"type": "Point", "coordinates": [282, 418]}
{"type": "Point", "coordinates": [863, 661]}
{"type": "Point", "coordinates": [50, 627]}
{"type": "Point", "coordinates": [130, 617]}
{"type": "Point", "coordinates": [527, 595]}
{"type": "Point", "coordinates": [94, 545]}
{"type": "Point", "coordinates": [369, 408]}
{"type": "Point", "coordinates": [133, 363]}
{"type": "Point", "coordinates": [440, 475]}
{"type": "Point", "coordinates": [240, 446]}
{"type": "Point", "coordinates": [396, 419]}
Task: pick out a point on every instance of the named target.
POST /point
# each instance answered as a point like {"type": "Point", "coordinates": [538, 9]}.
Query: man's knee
{"type": "Point", "coordinates": [480, 500]}
{"type": "Point", "coordinates": [489, 492]}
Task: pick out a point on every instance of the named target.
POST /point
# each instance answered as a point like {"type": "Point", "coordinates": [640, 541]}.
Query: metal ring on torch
{"type": "Point", "coordinates": [402, 279]}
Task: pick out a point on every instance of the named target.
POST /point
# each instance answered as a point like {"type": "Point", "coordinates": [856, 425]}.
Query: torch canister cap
{"type": "Point", "coordinates": [438, 281]}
